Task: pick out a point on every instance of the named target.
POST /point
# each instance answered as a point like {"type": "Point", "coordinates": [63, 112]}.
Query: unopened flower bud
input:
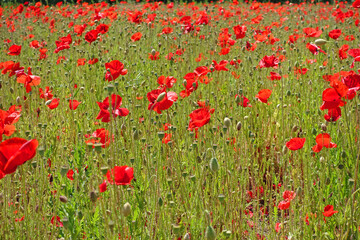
{"type": "Point", "coordinates": [126, 209]}
{"type": "Point", "coordinates": [210, 233]}
{"type": "Point", "coordinates": [227, 122]}
{"type": "Point", "coordinates": [161, 97]}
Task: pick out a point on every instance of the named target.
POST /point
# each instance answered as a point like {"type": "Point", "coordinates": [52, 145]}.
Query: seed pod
{"type": "Point", "coordinates": [126, 209]}
{"type": "Point", "coordinates": [323, 127]}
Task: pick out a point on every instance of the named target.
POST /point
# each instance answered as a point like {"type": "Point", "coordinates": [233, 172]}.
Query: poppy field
{"type": "Point", "coordinates": [221, 120]}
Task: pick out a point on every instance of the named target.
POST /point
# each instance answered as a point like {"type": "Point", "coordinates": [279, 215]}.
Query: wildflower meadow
{"type": "Point", "coordinates": [161, 120]}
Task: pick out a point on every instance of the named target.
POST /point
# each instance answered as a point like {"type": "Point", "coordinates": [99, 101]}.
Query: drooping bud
{"type": "Point", "coordinates": [210, 233]}
{"type": "Point", "coordinates": [214, 165]}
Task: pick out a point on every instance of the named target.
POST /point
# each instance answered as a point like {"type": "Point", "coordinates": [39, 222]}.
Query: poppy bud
{"type": "Point", "coordinates": [314, 131]}
{"type": "Point", "coordinates": [210, 233]}
{"type": "Point", "coordinates": [214, 165]}
{"type": "Point", "coordinates": [93, 196]}
{"type": "Point", "coordinates": [136, 135]}
{"type": "Point", "coordinates": [323, 127]}
{"type": "Point", "coordinates": [295, 128]}
{"type": "Point", "coordinates": [48, 102]}
{"type": "Point", "coordinates": [65, 222]}
{"type": "Point", "coordinates": [238, 126]}
{"type": "Point", "coordinates": [227, 122]}
{"type": "Point", "coordinates": [64, 170]}
{"type": "Point", "coordinates": [285, 150]}
{"type": "Point", "coordinates": [153, 52]}
{"type": "Point", "coordinates": [111, 225]}
{"type": "Point", "coordinates": [322, 159]}
{"type": "Point", "coordinates": [126, 209]}
{"type": "Point", "coordinates": [110, 88]}
{"type": "Point", "coordinates": [104, 170]}
{"type": "Point", "coordinates": [237, 99]}
{"type": "Point", "coordinates": [221, 198]}
{"type": "Point", "coordinates": [320, 42]}
{"type": "Point", "coordinates": [161, 97]}
{"type": "Point", "coordinates": [63, 199]}
{"type": "Point", "coordinates": [160, 201]}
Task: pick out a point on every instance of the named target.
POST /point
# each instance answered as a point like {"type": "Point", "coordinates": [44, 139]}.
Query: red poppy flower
{"type": "Point", "coordinates": [312, 32]}
{"type": "Point", "coordinates": [81, 61]}
{"type": "Point", "coordinates": [120, 175]}
{"type": "Point", "coordinates": [269, 61]}
{"type": "Point", "coordinates": [283, 205]}
{"type": "Point", "coordinates": [165, 103]}
{"type": "Point", "coordinates": [63, 43]}
{"type": "Point", "coordinates": [263, 95]}
{"type": "Point", "coordinates": [274, 76]}
{"type": "Point", "coordinates": [289, 195]}
{"type": "Point", "coordinates": [323, 140]}
{"type": "Point", "coordinates": [335, 34]}
{"type": "Point", "coordinates": [166, 81]}
{"type": "Point", "coordinates": [244, 101]}
{"type": "Point", "coordinates": [103, 186]}
{"type": "Point", "coordinates": [47, 95]}
{"type": "Point", "coordinates": [7, 119]}
{"type": "Point", "coordinates": [333, 114]}
{"type": "Point", "coordinates": [331, 99]}
{"type": "Point", "coordinates": [154, 56]}
{"type": "Point", "coordinates": [114, 69]}
{"type": "Point", "coordinates": [79, 29]}
{"type": "Point", "coordinates": [28, 80]}
{"type": "Point", "coordinates": [100, 136]}
{"type": "Point", "coordinates": [116, 102]}
{"type": "Point", "coordinates": [240, 31]}
{"type": "Point", "coordinates": [54, 103]}
{"type": "Point", "coordinates": [136, 36]}
{"type": "Point", "coordinates": [15, 152]}
{"type": "Point", "coordinates": [329, 211]}
{"type": "Point", "coordinates": [14, 50]}
{"type": "Point", "coordinates": [342, 51]}
{"type": "Point", "coordinates": [167, 30]}
{"type": "Point", "coordinates": [167, 138]}
{"type": "Point", "coordinates": [93, 61]}
{"type": "Point", "coordinates": [73, 104]}
{"type": "Point", "coordinates": [199, 118]}
{"type": "Point", "coordinates": [34, 44]}
{"type": "Point", "coordinates": [102, 28]}
{"type": "Point", "coordinates": [70, 174]}
{"type": "Point", "coordinates": [355, 53]}
{"type": "Point", "coordinates": [58, 222]}
{"type": "Point", "coordinates": [91, 36]}
{"type": "Point", "coordinates": [314, 49]}
{"type": "Point", "coordinates": [295, 143]}
{"type": "Point", "coordinates": [221, 66]}
{"type": "Point", "coordinates": [191, 84]}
